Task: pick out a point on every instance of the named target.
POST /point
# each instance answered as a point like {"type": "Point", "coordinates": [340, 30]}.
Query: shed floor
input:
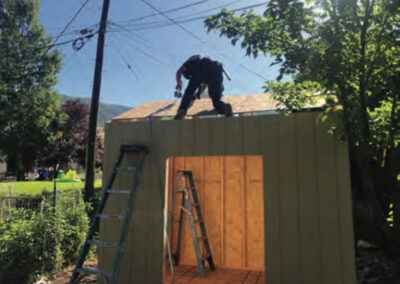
{"type": "Point", "coordinates": [187, 274]}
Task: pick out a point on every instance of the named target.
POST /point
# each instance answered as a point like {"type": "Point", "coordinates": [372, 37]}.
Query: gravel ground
{"type": "Point", "coordinates": [374, 267]}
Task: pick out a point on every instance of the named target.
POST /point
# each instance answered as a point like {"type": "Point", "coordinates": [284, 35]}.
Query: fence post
{"type": "Point", "coordinates": [55, 189]}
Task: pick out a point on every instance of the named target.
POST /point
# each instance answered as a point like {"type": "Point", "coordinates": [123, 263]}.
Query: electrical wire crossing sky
{"type": "Point", "coordinates": [146, 42]}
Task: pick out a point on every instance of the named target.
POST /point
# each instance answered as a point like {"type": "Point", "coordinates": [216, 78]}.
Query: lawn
{"type": "Point", "coordinates": [37, 187]}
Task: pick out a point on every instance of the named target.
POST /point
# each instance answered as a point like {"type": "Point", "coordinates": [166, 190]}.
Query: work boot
{"type": "Point", "coordinates": [180, 114]}
{"type": "Point", "coordinates": [228, 110]}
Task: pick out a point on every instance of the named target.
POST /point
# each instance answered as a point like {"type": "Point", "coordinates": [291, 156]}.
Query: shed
{"type": "Point", "coordinates": [274, 190]}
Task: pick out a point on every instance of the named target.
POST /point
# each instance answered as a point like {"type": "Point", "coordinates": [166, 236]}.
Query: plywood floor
{"type": "Point", "coordinates": [187, 274]}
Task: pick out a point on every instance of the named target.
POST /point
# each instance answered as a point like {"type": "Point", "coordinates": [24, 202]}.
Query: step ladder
{"type": "Point", "coordinates": [111, 277]}
{"type": "Point", "coordinates": [190, 206]}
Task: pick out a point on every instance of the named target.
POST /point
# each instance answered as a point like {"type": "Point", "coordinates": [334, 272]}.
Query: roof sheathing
{"type": "Point", "coordinates": [260, 103]}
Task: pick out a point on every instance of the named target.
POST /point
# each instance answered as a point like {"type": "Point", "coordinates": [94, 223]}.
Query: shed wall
{"type": "Point", "coordinates": [230, 190]}
{"type": "Point", "coordinates": [308, 220]}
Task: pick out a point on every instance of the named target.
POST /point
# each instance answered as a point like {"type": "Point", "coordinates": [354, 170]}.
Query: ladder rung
{"type": "Point", "coordinates": [134, 148]}
{"type": "Point", "coordinates": [93, 270]}
{"type": "Point", "coordinates": [127, 169]}
{"type": "Point", "coordinates": [118, 191]}
{"type": "Point", "coordinates": [111, 216]}
{"type": "Point", "coordinates": [103, 244]}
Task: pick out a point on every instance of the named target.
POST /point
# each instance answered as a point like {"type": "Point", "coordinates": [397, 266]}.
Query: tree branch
{"type": "Point", "coordinates": [362, 82]}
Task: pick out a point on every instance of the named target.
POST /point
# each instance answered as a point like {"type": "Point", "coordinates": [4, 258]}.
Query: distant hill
{"type": "Point", "coordinates": [106, 111]}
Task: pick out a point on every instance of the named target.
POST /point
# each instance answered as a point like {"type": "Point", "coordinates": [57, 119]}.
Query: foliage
{"type": "Point", "coordinates": [29, 246]}
{"type": "Point", "coordinates": [106, 111]}
{"type": "Point", "coordinates": [296, 96]}
{"type": "Point", "coordinates": [36, 242]}
{"type": "Point", "coordinates": [27, 75]}
{"type": "Point", "coordinates": [350, 50]}
{"type": "Point", "coordinates": [70, 130]}
{"type": "Point", "coordinates": [75, 224]}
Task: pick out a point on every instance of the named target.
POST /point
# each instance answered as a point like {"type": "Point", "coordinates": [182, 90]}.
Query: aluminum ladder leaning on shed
{"type": "Point", "coordinates": [125, 217]}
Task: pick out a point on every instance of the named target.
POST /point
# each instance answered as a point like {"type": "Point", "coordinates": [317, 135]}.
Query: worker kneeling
{"type": "Point", "coordinates": [201, 71]}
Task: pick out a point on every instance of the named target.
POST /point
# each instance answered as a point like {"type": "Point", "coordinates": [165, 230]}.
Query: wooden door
{"type": "Point", "coordinates": [231, 197]}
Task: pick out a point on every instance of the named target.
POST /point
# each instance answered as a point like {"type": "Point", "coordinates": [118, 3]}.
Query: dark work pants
{"type": "Point", "coordinates": [214, 81]}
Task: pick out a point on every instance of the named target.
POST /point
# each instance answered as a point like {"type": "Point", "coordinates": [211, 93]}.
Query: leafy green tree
{"type": "Point", "coordinates": [348, 51]}
{"type": "Point", "coordinates": [27, 76]}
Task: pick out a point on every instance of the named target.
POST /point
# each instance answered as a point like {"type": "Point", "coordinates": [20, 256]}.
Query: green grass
{"type": "Point", "coordinates": [33, 188]}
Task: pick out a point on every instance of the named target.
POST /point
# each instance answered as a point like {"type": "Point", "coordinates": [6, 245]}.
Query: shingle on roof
{"type": "Point", "coordinates": [165, 108]}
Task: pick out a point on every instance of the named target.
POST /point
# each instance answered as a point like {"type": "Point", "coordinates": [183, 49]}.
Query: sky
{"type": "Point", "coordinates": [141, 58]}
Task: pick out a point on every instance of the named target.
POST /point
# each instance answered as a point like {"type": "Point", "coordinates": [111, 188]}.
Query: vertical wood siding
{"type": "Point", "coordinates": [235, 223]}
{"type": "Point", "coordinates": [307, 205]}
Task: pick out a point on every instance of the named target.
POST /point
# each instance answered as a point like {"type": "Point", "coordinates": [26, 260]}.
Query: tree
{"type": "Point", "coordinates": [27, 76]}
{"type": "Point", "coordinates": [349, 52]}
{"type": "Point", "coordinates": [70, 130]}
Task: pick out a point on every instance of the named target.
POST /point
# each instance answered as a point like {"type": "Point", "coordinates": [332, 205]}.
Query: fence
{"type": "Point", "coordinates": [12, 201]}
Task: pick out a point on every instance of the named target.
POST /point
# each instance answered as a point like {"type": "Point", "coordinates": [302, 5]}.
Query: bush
{"type": "Point", "coordinates": [75, 224]}
{"type": "Point", "coordinates": [33, 243]}
{"type": "Point", "coordinates": [29, 246]}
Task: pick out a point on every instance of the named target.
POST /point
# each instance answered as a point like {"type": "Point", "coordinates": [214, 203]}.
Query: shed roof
{"type": "Point", "coordinates": [167, 108]}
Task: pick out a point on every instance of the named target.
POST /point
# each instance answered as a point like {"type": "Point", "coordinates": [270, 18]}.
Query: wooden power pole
{"type": "Point", "coordinates": [94, 105]}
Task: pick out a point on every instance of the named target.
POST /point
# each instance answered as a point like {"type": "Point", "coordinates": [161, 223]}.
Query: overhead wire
{"type": "Point", "coordinates": [172, 20]}
{"type": "Point", "coordinates": [147, 54]}
{"type": "Point", "coordinates": [193, 35]}
{"type": "Point", "coordinates": [188, 18]}
{"type": "Point", "coordinates": [173, 58]}
{"type": "Point", "coordinates": [167, 11]}
{"type": "Point", "coordinates": [144, 40]}
{"type": "Point", "coordinates": [55, 42]}
{"type": "Point", "coordinates": [126, 62]}
{"type": "Point", "coordinates": [147, 43]}
{"type": "Point", "coordinates": [71, 21]}
{"type": "Point", "coordinates": [184, 17]}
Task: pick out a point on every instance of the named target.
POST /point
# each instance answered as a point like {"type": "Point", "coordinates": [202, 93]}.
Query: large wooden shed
{"type": "Point", "coordinates": [274, 191]}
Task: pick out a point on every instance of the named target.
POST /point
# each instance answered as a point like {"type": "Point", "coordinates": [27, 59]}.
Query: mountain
{"type": "Point", "coordinates": [106, 111]}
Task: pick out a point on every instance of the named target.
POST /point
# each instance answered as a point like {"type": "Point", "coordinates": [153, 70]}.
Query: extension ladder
{"type": "Point", "coordinates": [125, 217]}
{"type": "Point", "coordinates": [190, 205]}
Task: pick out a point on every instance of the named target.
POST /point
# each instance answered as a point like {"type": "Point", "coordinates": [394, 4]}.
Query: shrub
{"type": "Point", "coordinates": [36, 242]}
{"type": "Point", "coordinates": [29, 246]}
{"type": "Point", "coordinates": [75, 224]}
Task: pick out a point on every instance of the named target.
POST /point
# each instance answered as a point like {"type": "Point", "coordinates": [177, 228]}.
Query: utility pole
{"type": "Point", "coordinates": [94, 105]}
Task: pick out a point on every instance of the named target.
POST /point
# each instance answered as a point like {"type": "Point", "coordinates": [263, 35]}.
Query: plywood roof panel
{"type": "Point", "coordinates": [240, 104]}
{"type": "Point", "coordinates": [168, 108]}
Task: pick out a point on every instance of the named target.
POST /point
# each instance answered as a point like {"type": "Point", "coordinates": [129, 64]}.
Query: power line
{"type": "Point", "coordinates": [71, 21]}
{"type": "Point", "coordinates": [161, 24]}
{"type": "Point", "coordinates": [148, 55]}
{"type": "Point", "coordinates": [173, 58]}
{"type": "Point", "coordinates": [166, 11]}
{"type": "Point", "coordinates": [202, 41]}
{"type": "Point", "coordinates": [172, 20]}
{"type": "Point", "coordinates": [146, 43]}
{"type": "Point", "coordinates": [126, 62]}
{"type": "Point", "coordinates": [144, 40]}
{"type": "Point", "coordinates": [186, 16]}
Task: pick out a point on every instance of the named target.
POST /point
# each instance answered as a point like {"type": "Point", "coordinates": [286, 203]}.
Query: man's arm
{"type": "Point", "coordinates": [179, 77]}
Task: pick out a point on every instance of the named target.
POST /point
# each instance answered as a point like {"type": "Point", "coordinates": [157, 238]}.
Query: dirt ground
{"type": "Point", "coordinates": [63, 277]}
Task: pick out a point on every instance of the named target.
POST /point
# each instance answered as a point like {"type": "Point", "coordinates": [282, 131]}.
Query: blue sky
{"type": "Point", "coordinates": [154, 53]}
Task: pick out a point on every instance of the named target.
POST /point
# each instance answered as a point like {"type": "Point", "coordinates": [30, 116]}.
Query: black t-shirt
{"type": "Point", "coordinates": [198, 68]}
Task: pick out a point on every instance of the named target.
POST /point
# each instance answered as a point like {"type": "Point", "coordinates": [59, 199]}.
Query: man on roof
{"type": "Point", "coordinates": [201, 71]}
